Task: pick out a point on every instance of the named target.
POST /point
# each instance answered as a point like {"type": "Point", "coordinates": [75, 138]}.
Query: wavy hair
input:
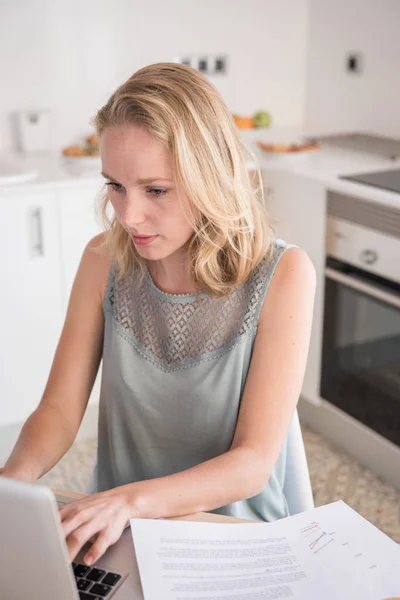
{"type": "Point", "coordinates": [180, 108]}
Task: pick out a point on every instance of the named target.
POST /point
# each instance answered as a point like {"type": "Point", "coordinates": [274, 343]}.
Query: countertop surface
{"type": "Point", "coordinates": [52, 170]}
{"type": "Point", "coordinates": [324, 166]}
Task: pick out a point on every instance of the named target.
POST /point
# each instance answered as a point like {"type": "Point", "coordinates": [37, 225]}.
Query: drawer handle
{"type": "Point", "coordinates": [37, 228]}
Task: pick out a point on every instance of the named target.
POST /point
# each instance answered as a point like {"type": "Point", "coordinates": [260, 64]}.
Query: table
{"type": "Point", "coordinates": [123, 559]}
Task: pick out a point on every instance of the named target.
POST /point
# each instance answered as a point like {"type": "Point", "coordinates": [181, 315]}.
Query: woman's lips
{"type": "Point", "coordinates": [143, 240]}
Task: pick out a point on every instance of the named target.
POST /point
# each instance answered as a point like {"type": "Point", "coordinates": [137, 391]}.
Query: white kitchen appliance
{"type": "Point", "coordinates": [360, 371]}
{"type": "Point", "coordinates": [34, 130]}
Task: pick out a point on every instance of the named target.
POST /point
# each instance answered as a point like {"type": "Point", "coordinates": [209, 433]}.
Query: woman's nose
{"type": "Point", "coordinates": [134, 212]}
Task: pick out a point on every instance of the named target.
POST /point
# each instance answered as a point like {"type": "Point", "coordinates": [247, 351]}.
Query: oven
{"type": "Point", "coordinates": [360, 372]}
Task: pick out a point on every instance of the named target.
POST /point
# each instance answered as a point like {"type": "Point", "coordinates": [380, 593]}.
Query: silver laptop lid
{"type": "Point", "coordinates": [34, 561]}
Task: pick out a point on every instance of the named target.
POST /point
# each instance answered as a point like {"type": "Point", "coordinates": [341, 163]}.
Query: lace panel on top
{"type": "Point", "coordinates": [176, 332]}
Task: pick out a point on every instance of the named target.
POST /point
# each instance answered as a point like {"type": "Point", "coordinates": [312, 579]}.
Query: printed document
{"type": "Point", "coordinates": [329, 552]}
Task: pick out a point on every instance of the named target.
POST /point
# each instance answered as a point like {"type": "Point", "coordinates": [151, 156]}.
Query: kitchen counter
{"type": "Point", "coordinates": [324, 166]}
{"type": "Point", "coordinates": [327, 165]}
{"type": "Point", "coordinates": [53, 171]}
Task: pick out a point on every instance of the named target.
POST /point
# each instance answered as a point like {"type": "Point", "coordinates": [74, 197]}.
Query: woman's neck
{"type": "Point", "coordinates": [171, 275]}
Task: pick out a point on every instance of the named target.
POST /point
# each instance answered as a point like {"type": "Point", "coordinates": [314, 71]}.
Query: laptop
{"type": "Point", "coordinates": [34, 562]}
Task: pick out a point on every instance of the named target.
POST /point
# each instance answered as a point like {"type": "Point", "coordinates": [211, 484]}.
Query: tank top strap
{"type": "Point", "coordinates": [108, 300]}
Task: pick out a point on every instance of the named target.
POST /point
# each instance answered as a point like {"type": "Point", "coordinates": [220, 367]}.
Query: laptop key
{"type": "Point", "coordinates": [100, 590]}
{"type": "Point", "coordinates": [95, 574]}
{"type": "Point", "coordinates": [111, 578]}
{"type": "Point", "coordinates": [83, 584]}
{"type": "Point", "coordinates": [81, 570]}
{"type": "Point", "coordinates": [85, 596]}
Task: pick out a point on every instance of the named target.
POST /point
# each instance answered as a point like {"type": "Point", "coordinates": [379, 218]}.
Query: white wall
{"type": "Point", "coordinates": [69, 56]}
{"type": "Point", "coordinates": [337, 100]}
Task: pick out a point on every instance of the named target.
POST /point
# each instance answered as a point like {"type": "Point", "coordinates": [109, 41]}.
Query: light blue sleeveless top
{"type": "Point", "coordinates": [174, 370]}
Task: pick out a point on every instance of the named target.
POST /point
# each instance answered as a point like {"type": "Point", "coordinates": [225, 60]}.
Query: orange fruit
{"type": "Point", "coordinates": [243, 122]}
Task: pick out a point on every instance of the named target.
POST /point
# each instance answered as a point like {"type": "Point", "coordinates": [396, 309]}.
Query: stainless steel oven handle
{"type": "Point", "coordinates": [360, 286]}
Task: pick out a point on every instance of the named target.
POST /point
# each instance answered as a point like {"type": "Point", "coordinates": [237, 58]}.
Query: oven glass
{"type": "Point", "coordinates": [361, 350]}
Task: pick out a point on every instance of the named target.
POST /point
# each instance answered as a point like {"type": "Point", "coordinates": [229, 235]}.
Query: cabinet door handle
{"type": "Point", "coordinates": [37, 228]}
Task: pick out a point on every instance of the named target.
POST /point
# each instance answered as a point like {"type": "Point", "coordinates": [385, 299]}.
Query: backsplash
{"type": "Point", "coordinates": [68, 57]}
{"type": "Point", "coordinates": [368, 100]}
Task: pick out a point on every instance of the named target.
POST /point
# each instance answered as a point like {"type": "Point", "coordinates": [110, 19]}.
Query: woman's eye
{"type": "Point", "coordinates": [157, 191]}
{"type": "Point", "coordinates": [117, 187]}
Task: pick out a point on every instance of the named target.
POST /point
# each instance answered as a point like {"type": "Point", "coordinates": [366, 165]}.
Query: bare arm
{"type": "Point", "coordinates": [51, 428]}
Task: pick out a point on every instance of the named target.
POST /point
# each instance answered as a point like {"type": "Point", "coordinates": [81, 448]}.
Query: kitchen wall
{"type": "Point", "coordinates": [338, 100]}
{"type": "Point", "coordinates": [69, 56]}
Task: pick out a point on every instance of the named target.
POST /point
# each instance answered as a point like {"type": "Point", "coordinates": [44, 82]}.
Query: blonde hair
{"type": "Point", "coordinates": [184, 111]}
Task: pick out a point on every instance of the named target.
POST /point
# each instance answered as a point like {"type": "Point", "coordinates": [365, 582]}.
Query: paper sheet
{"type": "Point", "coordinates": [328, 553]}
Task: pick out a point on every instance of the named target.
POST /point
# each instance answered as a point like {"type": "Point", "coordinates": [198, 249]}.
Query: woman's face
{"type": "Point", "coordinates": [143, 192]}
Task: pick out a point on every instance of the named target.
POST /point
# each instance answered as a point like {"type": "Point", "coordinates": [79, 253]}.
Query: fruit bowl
{"type": "Point", "coordinates": [291, 151]}
{"type": "Point", "coordinates": [83, 157]}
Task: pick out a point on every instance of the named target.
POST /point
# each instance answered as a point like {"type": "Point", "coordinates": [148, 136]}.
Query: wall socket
{"type": "Point", "coordinates": [215, 64]}
{"type": "Point", "coordinates": [354, 63]}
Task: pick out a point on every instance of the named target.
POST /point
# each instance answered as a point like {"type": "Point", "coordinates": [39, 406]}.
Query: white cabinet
{"type": "Point", "coordinates": [43, 232]}
{"type": "Point", "coordinates": [31, 312]}
{"type": "Point", "coordinates": [78, 224]}
{"type": "Point", "coordinates": [298, 206]}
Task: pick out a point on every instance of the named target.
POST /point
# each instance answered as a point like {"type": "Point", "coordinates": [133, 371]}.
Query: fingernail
{"type": "Point", "coordinates": [88, 560]}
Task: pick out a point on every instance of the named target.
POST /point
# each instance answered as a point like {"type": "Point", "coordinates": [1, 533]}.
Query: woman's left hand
{"type": "Point", "coordinates": [99, 518]}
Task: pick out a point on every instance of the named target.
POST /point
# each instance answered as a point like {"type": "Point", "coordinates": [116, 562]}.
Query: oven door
{"type": "Point", "coordinates": [361, 347]}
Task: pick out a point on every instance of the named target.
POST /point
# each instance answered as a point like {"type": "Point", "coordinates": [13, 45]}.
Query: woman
{"type": "Point", "coordinates": [201, 317]}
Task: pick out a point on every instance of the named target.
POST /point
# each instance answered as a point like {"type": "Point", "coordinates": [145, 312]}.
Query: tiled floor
{"type": "Point", "coordinates": [334, 475]}
{"type": "Point", "coordinates": [337, 476]}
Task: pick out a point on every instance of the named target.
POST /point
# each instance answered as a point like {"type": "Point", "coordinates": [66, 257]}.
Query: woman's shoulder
{"type": "Point", "coordinates": [283, 257]}
{"type": "Point", "coordinates": [291, 258]}
{"type": "Point", "coordinates": [291, 278]}
{"type": "Point", "coordinates": [96, 262]}
{"type": "Point", "coordinates": [283, 267]}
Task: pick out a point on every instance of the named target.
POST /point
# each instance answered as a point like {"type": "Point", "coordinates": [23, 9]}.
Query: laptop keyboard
{"type": "Point", "coordinates": [93, 583]}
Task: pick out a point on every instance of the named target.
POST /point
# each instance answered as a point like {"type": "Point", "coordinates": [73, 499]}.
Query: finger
{"type": "Point", "coordinates": [77, 518]}
{"type": "Point", "coordinates": [104, 540]}
{"type": "Point", "coordinates": [70, 508]}
{"type": "Point", "coordinates": [78, 538]}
